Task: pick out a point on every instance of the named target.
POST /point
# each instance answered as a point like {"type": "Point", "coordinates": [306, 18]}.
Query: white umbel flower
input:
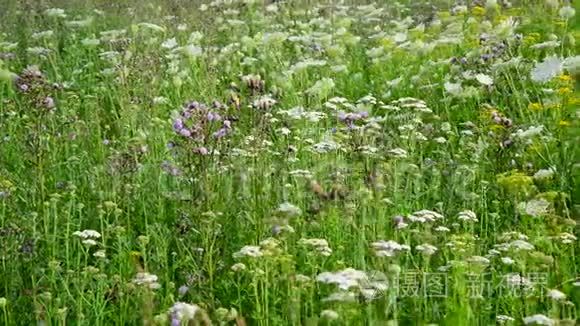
{"type": "Point", "coordinates": [484, 79]}
{"type": "Point", "coordinates": [289, 210]}
{"type": "Point", "coordinates": [544, 174]}
{"type": "Point", "coordinates": [538, 320]}
{"type": "Point", "coordinates": [502, 319]}
{"type": "Point", "coordinates": [388, 248]}
{"type": "Point", "coordinates": [320, 245]}
{"type": "Point", "coordinates": [329, 314]}
{"type": "Point", "coordinates": [249, 251]}
{"type": "Point", "coordinates": [183, 312]}
{"type": "Point", "coordinates": [547, 69]}
{"type": "Point", "coordinates": [169, 44]}
{"type": "Point", "coordinates": [556, 295]}
{"type": "Point", "coordinates": [147, 280]}
{"type": "Point", "coordinates": [426, 249]}
{"type": "Point", "coordinates": [55, 12]}
{"type": "Point", "coordinates": [87, 234]}
{"type": "Point", "coordinates": [467, 216]}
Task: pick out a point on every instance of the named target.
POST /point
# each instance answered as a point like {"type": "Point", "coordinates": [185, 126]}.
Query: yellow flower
{"type": "Point", "coordinates": [555, 106]}
{"type": "Point", "coordinates": [444, 14]}
{"type": "Point", "coordinates": [564, 78]}
{"type": "Point", "coordinates": [531, 38]}
{"type": "Point", "coordinates": [501, 18]}
{"type": "Point", "coordinates": [5, 184]}
{"type": "Point", "coordinates": [564, 123]}
{"type": "Point", "coordinates": [496, 128]}
{"type": "Point", "coordinates": [535, 106]}
{"type": "Point", "coordinates": [478, 11]}
{"type": "Point", "coordinates": [564, 90]}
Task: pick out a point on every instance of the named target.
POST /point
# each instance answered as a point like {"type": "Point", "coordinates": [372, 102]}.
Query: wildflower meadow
{"type": "Point", "coordinates": [243, 162]}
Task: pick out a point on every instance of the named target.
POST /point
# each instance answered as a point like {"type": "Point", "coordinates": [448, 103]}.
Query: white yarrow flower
{"type": "Point", "coordinates": [87, 234]}
{"type": "Point", "coordinates": [426, 249]}
{"type": "Point", "coordinates": [55, 12]}
{"type": "Point", "coordinates": [538, 320]}
{"type": "Point", "coordinates": [467, 216]}
{"type": "Point", "coordinates": [453, 88]}
{"type": "Point", "coordinates": [329, 314]}
{"type": "Point", "coordinates": [183, 312]}
{"type": "Point", "coordinates": [169, 44]}
{"type": "Point", "coordinates": [556, 295]}
{"type": "Point", "coordinates": [147, 280]}
{"type": "Point", "coordinates": [544, 174]}
{"type": "Point", "coordinates": [249, 251]}
{"type": "Point", "coordinates": [289, 210]}
{"type": "Point", "coordinates": [388, 248]}
{"type": "Point", "coordinates": [484, 79]}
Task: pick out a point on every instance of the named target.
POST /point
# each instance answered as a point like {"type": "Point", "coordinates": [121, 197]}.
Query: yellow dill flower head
{"type": "Point", "coordinates": [565, 78]}
{"type": "Point", "coordinates": [564, 123]}
{"type": "Point", "coordinates": [386, 43]}
{"type": "Point", "coordinates": [500, 19]}
{"type": "Point", "coordinates": [560, 23]}
{"type": "Point", "coordinates": [444, 14]}
{"type": "Point", "coordinates": [564, 91]}
{"type": "Point", "coordinates": [478, 11]}
{"type": "Point", "coordinates": [515, 182]}
{"type": "Point", "coordinates": [513, 12]}
{"type": "Point", "coordinates": [531, 38]}
{"type": "Point", "coordinates": [496, 127]}
{"type": "Point", "coordinates": [535, 106]}
{"type": "Point", "coordinates": [6, 185]}
{"type": "Point", "coordinates": [574, 100]}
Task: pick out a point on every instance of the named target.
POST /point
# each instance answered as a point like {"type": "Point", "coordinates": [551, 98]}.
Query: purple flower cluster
{"type": "Point", "coordinates": [492, 51]}
{"type": "Point", "coordinates": [32, 84]}
{"type": "Point", "coordinates": [198, 123]}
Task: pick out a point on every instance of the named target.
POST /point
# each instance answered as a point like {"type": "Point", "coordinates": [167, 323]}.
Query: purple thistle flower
{"type": "Point", "coordinates": [185, 132]}
{"type": "Point", "coordinates": [220, 133]}
{"type": "Point", "coordinates": [48, 102]}
{"type": "Point", "coordinates": [177, 125]}
{"type": "Point", "coordinates": [212, 116]}
{"type": "Point", "coordinates": [201, 151]}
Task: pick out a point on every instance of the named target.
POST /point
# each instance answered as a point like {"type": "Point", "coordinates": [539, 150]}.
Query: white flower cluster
{"type": "Point", "coordinates": [388, 248]}
{"type": "Point", "coordinates": [351, 279]}
{"type": "Point", "coordinates": [183, 313]}
{"type": "Point", "coordinates": [467, 216]}
{"type": "Point", "coordinates": [425, 216]}
{"type": "Point", "coordinates": [89, 237]}
{"type": "Point", "coordinates": [146, 280]}
{"type": "Point", "coordinates": [320, 245]}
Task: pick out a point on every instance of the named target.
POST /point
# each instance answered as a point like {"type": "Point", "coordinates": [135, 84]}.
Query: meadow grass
{"type": "Point", "coordinates": [295, 163]}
